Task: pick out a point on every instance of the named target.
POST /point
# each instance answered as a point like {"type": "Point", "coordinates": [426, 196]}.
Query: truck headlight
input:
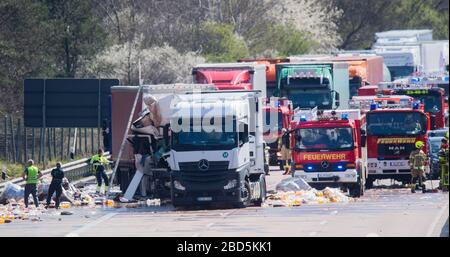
{"type": "Point", "coordinates": [231, 184]}
{"type": "Point", "coordinates": [178, 185]}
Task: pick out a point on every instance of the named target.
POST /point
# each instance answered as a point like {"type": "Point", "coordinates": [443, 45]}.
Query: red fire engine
{"type": "Point", "coordinates": [328, 150]}
{"type": "Point", "coordinates": [390, 132]}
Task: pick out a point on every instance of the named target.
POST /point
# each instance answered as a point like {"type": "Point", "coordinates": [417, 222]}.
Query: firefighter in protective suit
{"type": "Point", "coordinates": [443, 162]}
{"type": "Point", "coordinates": [417, 162]}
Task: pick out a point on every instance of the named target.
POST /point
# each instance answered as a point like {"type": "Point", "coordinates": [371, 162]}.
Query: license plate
{"type": "Point", "coordinates": [396, 164]}
{"type": "Point", "coordinates": [204, 199]}
{"type": "Point", "coordinates": [325, 175]}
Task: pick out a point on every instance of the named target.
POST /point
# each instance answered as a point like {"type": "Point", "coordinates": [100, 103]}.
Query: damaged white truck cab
{"type": "Point", "coordinates": [217, 153]}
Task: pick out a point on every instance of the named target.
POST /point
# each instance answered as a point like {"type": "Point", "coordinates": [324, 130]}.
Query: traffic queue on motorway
{"type": "Point", "coordinates": [332, 120]}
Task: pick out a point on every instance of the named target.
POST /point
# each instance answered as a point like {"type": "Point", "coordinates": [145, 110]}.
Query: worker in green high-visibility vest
{"type": "Point", "coordinates": [31, 175]}
{"type": "Point", "coordinates": [99, 163]}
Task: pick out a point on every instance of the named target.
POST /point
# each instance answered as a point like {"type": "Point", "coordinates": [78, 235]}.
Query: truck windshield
{"type": "Point", "coordinates": [331, 139]}
{"type": "Point", "coordinates": [396, 123]}
{"type": "Point", "coordinates": [274, 121]}
{"type": "Point", "coordinates": [307, 98]}
{"type": "Point", "coordinates": [400, 71]}
{"type": "Point", "coordinates": [192, 141]}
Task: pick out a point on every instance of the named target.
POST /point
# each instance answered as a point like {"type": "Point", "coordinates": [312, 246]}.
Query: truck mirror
{"type": "Point", "coordinates": [433, 121]}
{"type": "Point", "coordinates": [337, 97]}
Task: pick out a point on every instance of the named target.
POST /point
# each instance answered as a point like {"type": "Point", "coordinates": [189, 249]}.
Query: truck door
{"type": "Point", "coordinates": [244, 144]}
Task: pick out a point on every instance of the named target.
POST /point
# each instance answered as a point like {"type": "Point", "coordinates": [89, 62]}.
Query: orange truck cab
{"type": "Point", "coordinates": [363, 70]}
{"type": "Point", "coordinates": [328, 150]}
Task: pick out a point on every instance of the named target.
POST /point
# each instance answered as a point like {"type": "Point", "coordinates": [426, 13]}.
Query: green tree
{"type": "Point", "coordinates": [24, 49]}
{"type": "Point", "coordinates": [77, 34]}
{"type": "Point", "coordinates": [283, 41]}
{"type": "Point", "coordinates": [362, 19]}
{"type": "Point", "coordinates": [426, 14]}
{"type": "Point", "coordinates": [219, 43]}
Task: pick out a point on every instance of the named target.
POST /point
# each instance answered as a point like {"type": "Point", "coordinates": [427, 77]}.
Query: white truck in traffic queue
{"type": "Point", "coordinates": [204, 146]}
{"type": "Point", "coordinates": [409, 51]}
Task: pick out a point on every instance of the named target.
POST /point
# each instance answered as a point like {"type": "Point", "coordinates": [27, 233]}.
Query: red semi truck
{"type": "Point", "coordinates": [232, 76]}
{"type": "Point", "coordinates": [329, 150]}
{"type": "Point", "coordinates": [278, 115]}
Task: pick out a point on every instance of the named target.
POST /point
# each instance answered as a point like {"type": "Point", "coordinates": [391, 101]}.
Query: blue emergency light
{"type": "Point", "coordinates": [344, 116]}
{"type": "Point", "coordinates": [303, 118]}
{"type": "Point", "coordinates": [277, 104]}
{"type": "Point", "coordinates": [415, 79]}
{"type": "Point", "coordinates": [373, 107]}
{"type": "Point", "coordinates": [340, 167]}
{"type": "Point", "coordinates": [415, 106]}
{"type": "Point", "coordinates": [309, 167]}
{"type": "Point", "coordinates": [445, 78]}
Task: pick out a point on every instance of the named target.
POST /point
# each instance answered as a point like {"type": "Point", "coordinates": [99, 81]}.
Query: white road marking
{"type": "Point", "coordinates": [77, 232]}
{"type": "Point", "coordinates": [323, 222]}
{"type": "Point", "coordinates": [372, 235]}
{"type": "Point", "coordinates": [196, 235]}
{"type": "Point", "coordinates": [438, 217]}
{"type": "Point", "coordinates": [314, 233]}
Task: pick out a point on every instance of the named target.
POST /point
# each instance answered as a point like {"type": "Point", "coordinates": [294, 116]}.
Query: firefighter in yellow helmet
{"type": "Point", "coordinates": [417, 162]}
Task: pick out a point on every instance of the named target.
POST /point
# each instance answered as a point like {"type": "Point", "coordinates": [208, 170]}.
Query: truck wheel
{"type": "Point", "coordinates": [369, 183]}
{"type": "Point", "coordinates": [245, 196]}
{"type": "Point", "coordinates": [262, 186]}
{"type": "Point", "coordinates": [356, 190]}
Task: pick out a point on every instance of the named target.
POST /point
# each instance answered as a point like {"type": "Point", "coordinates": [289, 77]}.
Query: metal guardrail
{"type": "Point", "coordinates": [73, 171]}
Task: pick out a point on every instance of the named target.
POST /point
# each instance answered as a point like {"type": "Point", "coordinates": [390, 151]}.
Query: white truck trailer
{"type": "Point", "coordinates": [409, 51]}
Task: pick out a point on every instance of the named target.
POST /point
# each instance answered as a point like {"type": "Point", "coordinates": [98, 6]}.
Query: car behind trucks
{"type": "Point", "coordinates": [190, 168]}
{"type": "Point", "coordinates": [320, 84]}
{"type": "Point", "coordinates": [391, 133]}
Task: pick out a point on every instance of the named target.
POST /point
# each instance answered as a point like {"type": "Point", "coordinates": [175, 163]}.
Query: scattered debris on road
{"type": "Point", "coordinates": [312, 196]}
{"type": "Point", "coordinates": [12, 206]}
{"type": "Point", "coordinates": [296, 192]}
